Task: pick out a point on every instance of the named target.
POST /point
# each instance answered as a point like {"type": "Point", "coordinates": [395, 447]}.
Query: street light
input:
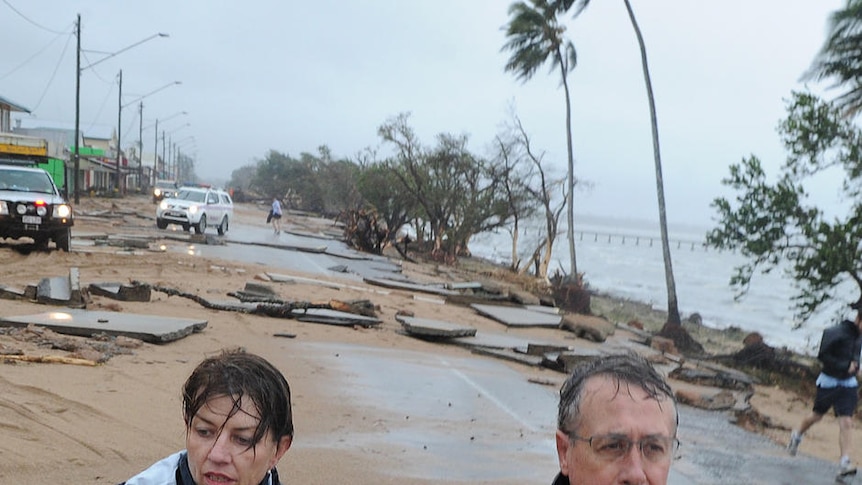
{"type": "Point", "coordinates": [78, 70]}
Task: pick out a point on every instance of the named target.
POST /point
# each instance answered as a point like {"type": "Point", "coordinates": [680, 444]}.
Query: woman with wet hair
{"type": "Point", "coordinates": [239, 423]}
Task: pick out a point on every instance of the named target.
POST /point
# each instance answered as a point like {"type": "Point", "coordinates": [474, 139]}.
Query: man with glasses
{"type": "Point", "coordinates": [617, 424]}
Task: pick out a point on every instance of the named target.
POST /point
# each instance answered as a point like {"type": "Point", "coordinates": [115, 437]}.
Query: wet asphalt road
{"type": "Point", "coordinates": [504, 425]}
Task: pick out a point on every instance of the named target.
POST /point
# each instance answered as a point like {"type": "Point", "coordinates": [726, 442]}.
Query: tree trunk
{"type": "Point", "coordinates": [673, 319]}
{"type": "Point", "coordinates": [571, 180]}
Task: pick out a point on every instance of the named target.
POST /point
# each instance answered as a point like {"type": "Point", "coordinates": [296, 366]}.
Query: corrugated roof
{"type": "Point", "coordinates": [10, 106]}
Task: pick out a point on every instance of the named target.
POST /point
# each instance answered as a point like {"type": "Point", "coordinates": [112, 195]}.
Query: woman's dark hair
{"type": "Point", "coordinates": [240, 375]}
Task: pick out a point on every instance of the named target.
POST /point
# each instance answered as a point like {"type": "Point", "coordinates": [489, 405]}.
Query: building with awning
{"type": "Point", "coordinates": [6, 109]}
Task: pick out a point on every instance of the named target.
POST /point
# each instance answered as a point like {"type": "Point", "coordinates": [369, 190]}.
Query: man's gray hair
{"type": "Point", "coordinates": [627, 368]}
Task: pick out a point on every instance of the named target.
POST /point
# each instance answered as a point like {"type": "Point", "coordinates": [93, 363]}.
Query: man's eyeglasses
{"type": "Point", "coordinates": [613, 446]}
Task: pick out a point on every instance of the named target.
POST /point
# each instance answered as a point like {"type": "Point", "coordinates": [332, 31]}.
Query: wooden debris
{"type": "Point", "coordinates": [49, 359]}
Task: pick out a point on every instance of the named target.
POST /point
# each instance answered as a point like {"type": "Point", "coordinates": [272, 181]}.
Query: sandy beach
{"type": "Point", "coordinates": [102, 424]}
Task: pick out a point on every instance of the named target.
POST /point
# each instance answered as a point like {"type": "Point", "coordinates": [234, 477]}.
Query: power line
{"type": "Point", "coordinates": [101, 107]}
{"type": "Point", "coordinates": [16, 68]}
{"type": "Point", "coordinates": [53, 74]}
{"type": "Point", "coordinates": [30, 20]}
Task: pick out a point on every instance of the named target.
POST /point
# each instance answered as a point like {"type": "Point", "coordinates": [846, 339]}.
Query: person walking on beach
{"type": "Point", "coordinates": [239, 423]}
{"type": "Point", "coordinates": [275, 214]}
{"type": "Point", "coordinates": [836, 387]}
{"type": "Point", "coordinates": [617, 423]}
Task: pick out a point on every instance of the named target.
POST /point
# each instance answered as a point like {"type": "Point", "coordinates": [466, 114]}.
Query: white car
{"type": "Point", "coordinates": [197, 207]}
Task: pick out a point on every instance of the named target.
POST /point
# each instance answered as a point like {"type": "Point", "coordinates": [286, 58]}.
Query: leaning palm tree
{"type": "Point", "coordinates": [673, 326]}
{"type": "Point", "coordinates": [535, 37]}
{"type": "Point", "coordinates": [840, 58]}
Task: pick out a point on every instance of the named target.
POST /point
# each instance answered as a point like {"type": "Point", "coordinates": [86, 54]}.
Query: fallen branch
{"type": "Point", "coordinates": [49, 359]}
{"type": "Point", "coordinates": [272, 307]}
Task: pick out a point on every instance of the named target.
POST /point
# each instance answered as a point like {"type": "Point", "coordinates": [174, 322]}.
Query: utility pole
{"type": "Point", "coordinates": [156, 154]}
{"type": "Point", "coordinates": [119, 128]}
{"type": "Point", "coordinates": [141, 145]}
{"type": "Point", "coordinates": [164, 160]}
{"type": "Point", "coordinates": [77, 175]}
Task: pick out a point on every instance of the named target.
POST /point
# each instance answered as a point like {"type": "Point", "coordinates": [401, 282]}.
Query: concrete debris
{"type": "Point", "coordinates": [61, 290]}
{"type": "Point", "coordinates": [407, 286]}
{"type": "Point", "coordinates": [595, 329]}
{"type": "Point", "coordinates": [149, 328]}
{"type": "Point", "coordinates": [712, 378]}
{"type": "Point", "coordinates": [433, 329]}
{"type": "Point", "coordinates": [121, 291]}
{"type": "Point", "coordinates": [516, 316]}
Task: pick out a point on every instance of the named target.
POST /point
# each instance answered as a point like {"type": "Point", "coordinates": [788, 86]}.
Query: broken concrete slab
{"type": "Point", "coordinates": [58, 290]}
{"type": "Point", "coordinates": [712, 378]}
{"type": "Point", "coordinates": [85, 323]}
{"type": "Point", "coordinates": [282, 278]}
{"type": "Point", "coordinates": [572, 358]}
{"type": "Point", "coordinates": [7, 293]}
{"type": "Point", "coordinates": [435, 329]}
{"type": "Point", "coordinates": [121, 291]}
{"type": "Point", "coordinates": [333, 317]}
{"type": "Point", "coordinates": [467, 285]}
{"type": "Point", "coordinates": [498, 341]}
{"type": "Point", "coordinates": [716, 401]}
{"type": "Point", "coordinates": [544, 309]}
{"type": "Point", "coordinates": [54, 290]}
{"type": "Point", "coordinates": [515, 316]}
{"type": "Point", "coordinates": [596, 329]}
{"type": "Point", "coordinates": [523, 297]}
{"type": "Point", "coordinates": [407, 286]}
{"type": "Point", "coordinates": [260, 289]}
{"type": "Point", "coordinates": [510, 355]}
{"type": "Point", "coordinates": [542, 349]}
{"type": "Point", "coordinates": [124, 242]}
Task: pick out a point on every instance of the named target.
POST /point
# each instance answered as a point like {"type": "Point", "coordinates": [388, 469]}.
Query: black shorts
{"type": "Point", "coordinates": [842, 399]}
{"type": "Point", "coordinates": [276, 216]}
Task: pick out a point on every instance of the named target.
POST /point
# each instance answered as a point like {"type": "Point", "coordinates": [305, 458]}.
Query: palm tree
{"type": "Point", "coordinates": [673, 326]}
{"type": "Point", "coordinates": [535, 37]}
{"type": "Point", "coordinates": [840, 58]}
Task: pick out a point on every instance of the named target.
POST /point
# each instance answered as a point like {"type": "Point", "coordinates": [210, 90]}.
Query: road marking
{"type": "Point", "coordinates": [490, 396]}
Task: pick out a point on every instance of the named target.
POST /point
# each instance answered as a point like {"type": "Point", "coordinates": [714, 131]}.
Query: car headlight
{"type": "Point", "coordinates": [4, 208]}
{"type": "Point", "coordinates": [41, 210]}
{"type": "Point", "coordinates": [163, 205]}
{"type": "Point", "coordinates": [62, 211]}
{"type": "Point", "coordinates": [193, 209]}
{"type": "Point", "coordinates": [157, 192]}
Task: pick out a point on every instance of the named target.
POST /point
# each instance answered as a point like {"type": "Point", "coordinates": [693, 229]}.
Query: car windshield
{"type": "Point", "coordinates": [165, 185]}
{"type": "Point", "coordinates": [25, 181]}
{"type": "Point", "coordinates": [192, 195]}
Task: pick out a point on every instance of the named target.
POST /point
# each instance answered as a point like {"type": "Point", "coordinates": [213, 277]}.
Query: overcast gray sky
{"type": "Point", "coordinates": [291, 76]}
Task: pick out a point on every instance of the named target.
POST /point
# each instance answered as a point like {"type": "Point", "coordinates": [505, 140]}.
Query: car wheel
{"type": "Point", "coordinates": [63, 239]}
{"type": "Point", "coordinates": [201, 226]}
{"type": "Point", "coordinates": [161, 223]}
{"type": "Point", "coordinates": [222, 228]}
{"type": "Point", "coordinates": [186, 227]}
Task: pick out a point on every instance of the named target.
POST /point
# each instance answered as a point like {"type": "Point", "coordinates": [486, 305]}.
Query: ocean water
{"type": "Point", "coordinates": [623, 258]}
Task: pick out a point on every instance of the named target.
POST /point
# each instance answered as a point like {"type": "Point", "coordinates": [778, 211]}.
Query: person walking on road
{"type": "Point", "coordinates": [617, 423]}
{"type": "Point", "coordinates": [276, 215]}
{"type": "Point", "coordinates": [837, 386]}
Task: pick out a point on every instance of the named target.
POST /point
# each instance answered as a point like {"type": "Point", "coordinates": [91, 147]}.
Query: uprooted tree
{"type": "Point", "coordinates": [773, 224]}
{"type": "Point", "coordinates": [456, 193]}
